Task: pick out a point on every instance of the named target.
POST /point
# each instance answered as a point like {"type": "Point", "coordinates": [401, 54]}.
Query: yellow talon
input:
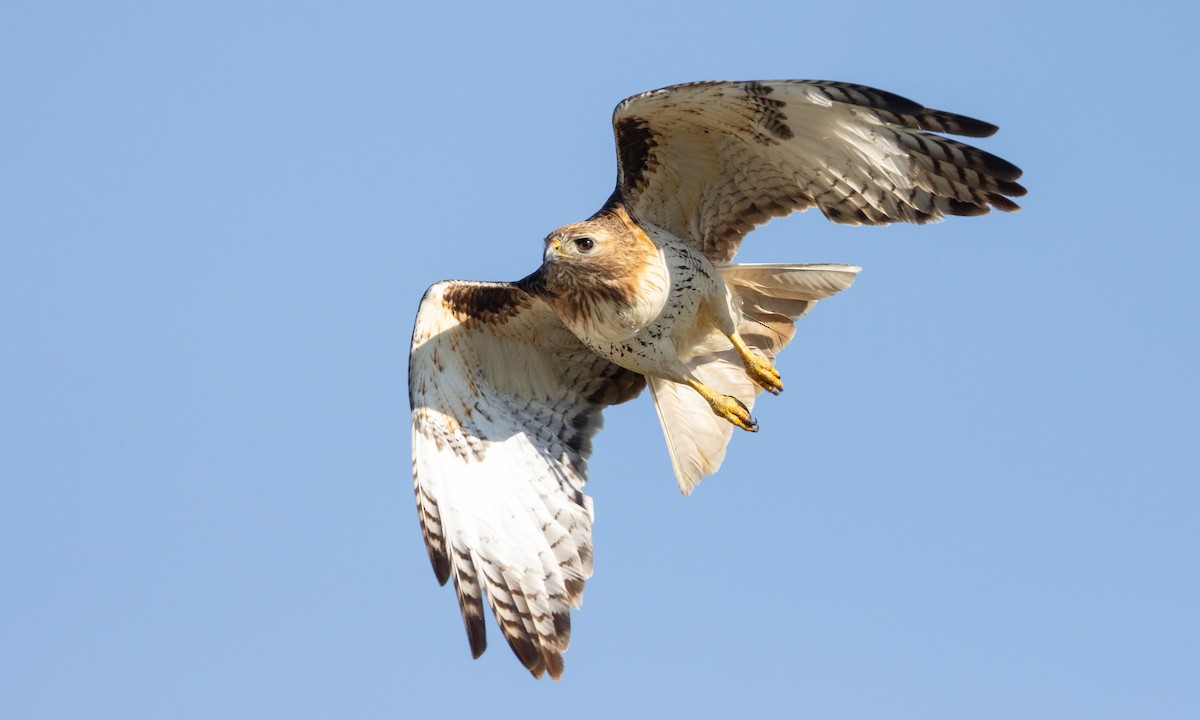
{"type": "Point", "coordinates": [727, 407]}
{"type": "Point", "coordinates": [758, 368]}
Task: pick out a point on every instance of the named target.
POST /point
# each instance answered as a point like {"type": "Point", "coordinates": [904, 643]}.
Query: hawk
{"type": "Point", "coordinates": [507, 380]}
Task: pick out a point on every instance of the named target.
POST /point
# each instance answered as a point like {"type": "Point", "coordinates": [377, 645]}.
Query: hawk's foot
{"type": "Point", "coordinates": [735, 411]}
{"type": "Point", "coordinates": [758, 368]}
{"type": "Point", "coordinates": [761, 371]}
{"type": "Point", "coordinates": [727, 407]}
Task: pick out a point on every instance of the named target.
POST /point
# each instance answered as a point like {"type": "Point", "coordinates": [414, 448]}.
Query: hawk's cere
{"type": "Point", "coordinates": [507, 381]}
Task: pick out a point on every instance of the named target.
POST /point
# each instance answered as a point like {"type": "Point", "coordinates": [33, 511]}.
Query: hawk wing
{"type": "Point", "coordinates": [505, 401]}
{"type": "Point", "coordinates": [708, 161]}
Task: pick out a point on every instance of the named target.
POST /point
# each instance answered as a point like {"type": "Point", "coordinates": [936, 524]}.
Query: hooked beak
{"type": "Point", "coordinates": [551, 251]}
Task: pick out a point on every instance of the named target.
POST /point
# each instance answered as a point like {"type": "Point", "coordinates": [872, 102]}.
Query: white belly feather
{"type": "Point", "coordinates": [673, 319]}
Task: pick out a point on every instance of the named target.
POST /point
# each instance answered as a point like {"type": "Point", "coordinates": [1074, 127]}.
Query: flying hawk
{"type": "Point", "coordinates": [507, 380]}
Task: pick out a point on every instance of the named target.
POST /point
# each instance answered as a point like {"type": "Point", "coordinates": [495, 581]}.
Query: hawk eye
{"type": "Point", "coordinates": [585, 244]}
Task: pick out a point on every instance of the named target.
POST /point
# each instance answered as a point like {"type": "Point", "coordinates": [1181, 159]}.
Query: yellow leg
{"type": "Point", "coordinates": [758, 368]}
{"type": "Point", "coordinates": [726, 406]}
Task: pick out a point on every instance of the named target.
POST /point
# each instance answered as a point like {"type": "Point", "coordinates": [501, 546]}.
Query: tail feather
{"type": "Point", "coordinates": [770, 298]}
{"type": "Point", "coordinates": [696, 438]}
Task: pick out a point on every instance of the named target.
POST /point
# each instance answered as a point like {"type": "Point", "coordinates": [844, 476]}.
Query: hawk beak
{"type": "Point", "coordinates": [551, 250]}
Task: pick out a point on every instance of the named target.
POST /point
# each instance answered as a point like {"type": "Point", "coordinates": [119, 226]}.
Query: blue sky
{"type": "Point", "coordinates": [978, 497]}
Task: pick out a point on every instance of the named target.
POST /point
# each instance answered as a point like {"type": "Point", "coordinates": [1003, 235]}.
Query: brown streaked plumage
{"type": "Point", "coordinates": [606, 279]}
{"type": "Point", "coordinates": [507, 381]}
{"type": "Point", "coordinates": [482, 302]}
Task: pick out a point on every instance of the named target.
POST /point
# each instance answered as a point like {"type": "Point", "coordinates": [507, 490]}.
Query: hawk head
{"type": "Point", "coordinates": [594, 263]}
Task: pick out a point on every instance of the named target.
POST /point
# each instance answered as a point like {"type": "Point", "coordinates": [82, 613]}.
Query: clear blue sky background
{"type": "Point", "coordinates": [977, 499]}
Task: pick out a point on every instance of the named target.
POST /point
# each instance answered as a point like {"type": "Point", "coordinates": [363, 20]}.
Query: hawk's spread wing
{"type": "Point", "coordinates": [505, 403]}
{"type": "Point", "coordinates": [708, 161]}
